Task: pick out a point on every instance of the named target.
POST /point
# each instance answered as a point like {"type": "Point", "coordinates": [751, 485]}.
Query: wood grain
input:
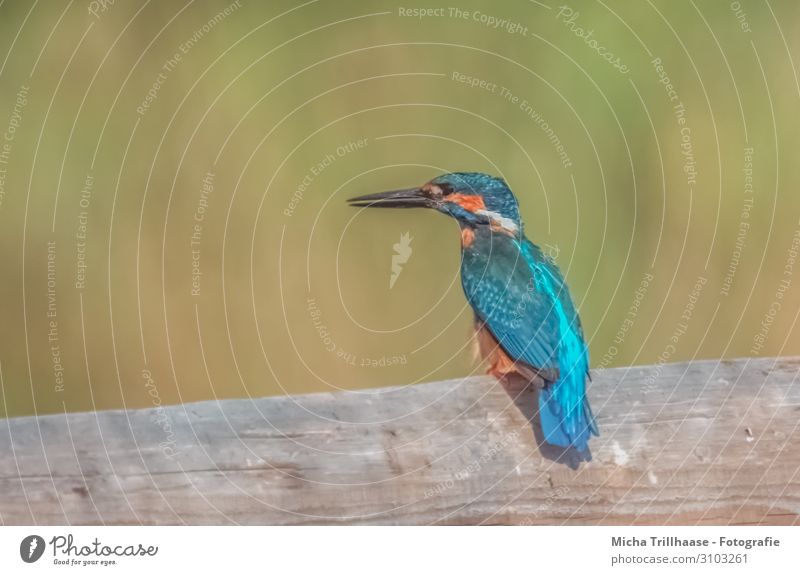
{"type": "Point", "coordinates": [708, 442]}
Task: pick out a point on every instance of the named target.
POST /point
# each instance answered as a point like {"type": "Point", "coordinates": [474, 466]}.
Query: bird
{"type": "Point", "coordinates": [525, 320]}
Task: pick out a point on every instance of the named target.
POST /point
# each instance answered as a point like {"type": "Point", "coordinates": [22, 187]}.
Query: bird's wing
{"type": "Point", "coordinates": [552, 284]}
{"type": "Point", "coordinates": [564, 411]}
{"type": "Point", "coordinates": [501, 286]}
{"type": "Point", "coordinates": [522, 299]}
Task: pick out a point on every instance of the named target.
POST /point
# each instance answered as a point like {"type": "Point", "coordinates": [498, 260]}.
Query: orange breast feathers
{"type": "Point", "coordinates": [500, 364]}
{"type": "Point", "coordinates": [489, 349]}
{"type": "Point", "coordinates": [467, 237]}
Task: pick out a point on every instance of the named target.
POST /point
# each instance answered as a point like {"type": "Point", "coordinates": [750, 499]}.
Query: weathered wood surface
{"type": "Point", "coordinates": [701, 443]}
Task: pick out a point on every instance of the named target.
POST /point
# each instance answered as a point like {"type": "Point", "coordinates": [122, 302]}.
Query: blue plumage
{"type": "Point", "coordinates": [517, 293]}
{"type": "Point", "coordinates": [522, 298]}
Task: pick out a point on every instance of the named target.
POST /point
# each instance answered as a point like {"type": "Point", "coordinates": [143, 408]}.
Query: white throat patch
{"type": "Point", "coordinates": [506, 223]}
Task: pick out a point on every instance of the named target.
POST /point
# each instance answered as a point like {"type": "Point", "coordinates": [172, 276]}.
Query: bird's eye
{"type": "Point", "coordinates": [433, 191]}
{"type": "Point", "coordinates": [437, 191]}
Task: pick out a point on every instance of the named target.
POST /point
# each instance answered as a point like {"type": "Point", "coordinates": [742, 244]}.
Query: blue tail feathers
{"type": "Point", "coordinates": [565, 429]}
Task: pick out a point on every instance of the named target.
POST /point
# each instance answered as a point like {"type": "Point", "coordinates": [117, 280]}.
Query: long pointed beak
{"type": "Point", "coordinates": [408, 198]}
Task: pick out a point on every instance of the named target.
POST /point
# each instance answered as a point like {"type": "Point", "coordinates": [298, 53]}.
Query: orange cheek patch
{"type": "Point", "coordinates": [468, 202]}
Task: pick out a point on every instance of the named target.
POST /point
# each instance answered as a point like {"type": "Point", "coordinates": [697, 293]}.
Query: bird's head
{"type": "Point", "coordinates": [472, 198]}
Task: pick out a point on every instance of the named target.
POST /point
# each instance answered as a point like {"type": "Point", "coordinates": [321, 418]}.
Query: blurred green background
{"type": "Point", "coordinates": [173, 176]}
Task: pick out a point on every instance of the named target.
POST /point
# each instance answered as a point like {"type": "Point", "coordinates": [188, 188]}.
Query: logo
{"type": "Point", "coordinates": [402, 251]}
{"type": "Point", "coordinates": [551, 252]}
{"type": "Point", "coordinates": [31, 548]}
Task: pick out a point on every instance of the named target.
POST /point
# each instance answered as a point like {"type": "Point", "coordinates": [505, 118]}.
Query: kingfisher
{"type": "Point", "coordinates": [525, 320]}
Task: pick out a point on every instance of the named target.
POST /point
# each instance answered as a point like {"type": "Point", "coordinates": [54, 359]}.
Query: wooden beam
{"type": "Point", "coordinates": [708, 442]}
